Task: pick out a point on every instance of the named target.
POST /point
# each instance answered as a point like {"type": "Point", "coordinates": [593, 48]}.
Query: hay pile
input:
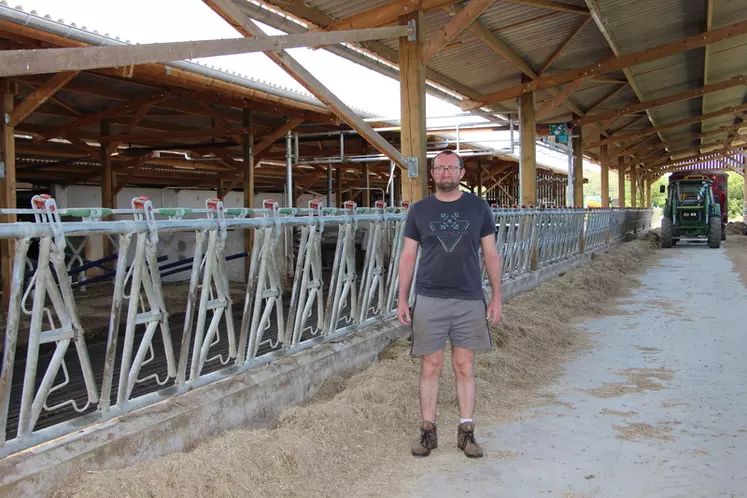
{"type": "Point", "coordinates": [354, 440]}
{"type": "Point", "coordinates": [736, 249]}
{"type": "Point", "coordinates": [735, 228]}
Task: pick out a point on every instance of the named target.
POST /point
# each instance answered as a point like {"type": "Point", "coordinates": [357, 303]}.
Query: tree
{"type": "Point", "coordinates": [735, 189]}
{"type": "Point", "coordinates": [658, 199]}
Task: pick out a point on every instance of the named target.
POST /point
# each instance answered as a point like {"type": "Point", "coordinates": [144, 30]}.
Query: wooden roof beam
{"type": "Point", "coordinates": [94, 117]}
{"type": "Point", "coordinates": [670, 99]}
{"type": "Point", "coordinates": [499, 47]}
{"type": "Point", "coordinates": [727, 144]}
{"type": "Point", "coordinates": [553, 5]}
{"type": "Point", "coordinates": [611, 64]}
{"type": "Point", "coordinates": [693, 161]}
{"type": "Point", "coordinates": [663, 145]}
{"type": "Point", "coordinates": [736, 110]}
{"type": "Point", "coordinates": [174, 135]}
{"type": "Point", "coordinates": [40, 95]}
{"type": "Point", "coordinates": [456, 26]}
{"type": "Point", "coordinates": [247, 27]}
{"type": "Point", "coordinates": [52, 60]}
{"type": "Point", "coordinates": [606, 98]}
{"type": "Point", "coordinates": [706, 56]}
{"type": "Point", "coordinates": [136, 118]}
{"type": "Point", "coordinates": [264, 145]}
{"type": "Point", "coordinates": [383, 15]}
{"type": "Point", "coordinates": [553, 102]}
{"type": "Point", "coordinates": [562, 46]}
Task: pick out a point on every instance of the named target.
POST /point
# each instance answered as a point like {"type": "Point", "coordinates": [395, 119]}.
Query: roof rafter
{"type": "Point", "coordinates": [706, 56]}
{"type": "Point", "coordinates": [500, 47]}
{"type": "Point", "coordinates": [385, 14]}
{"type": "Point", "coordinates": [455, 27]}
{"type": "Point", "coordinates": [247, 27]}
{"type": "Point", "coordinates": [40, 95]}
{"type": "Point", "coordinates": [669, 99]}
{"type": "Point", "coordinates": [553, 5]}
{"type": "Point", "coordinates": [611, 64]}
{"type": "Point", "coordinates": [562, 46]}
{"type": "Point", "coordinates": [736, 110]}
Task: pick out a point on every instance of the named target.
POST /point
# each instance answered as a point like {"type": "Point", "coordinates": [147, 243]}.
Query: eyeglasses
{"type": "Point", "coordinates": [443, 169]}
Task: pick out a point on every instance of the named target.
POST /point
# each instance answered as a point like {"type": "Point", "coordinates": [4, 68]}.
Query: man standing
{"type": "Point", "coordinates": [450, 227]}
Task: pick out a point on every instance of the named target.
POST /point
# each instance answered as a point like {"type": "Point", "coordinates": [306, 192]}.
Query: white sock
{"type": "Point", "coordinates": [463, 420]}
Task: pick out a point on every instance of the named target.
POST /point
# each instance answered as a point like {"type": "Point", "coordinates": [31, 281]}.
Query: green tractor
{"type": "Point", "coordinates": [691, 212]}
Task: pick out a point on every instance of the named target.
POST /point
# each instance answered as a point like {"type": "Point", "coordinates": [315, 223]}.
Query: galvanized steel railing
{"type": "Point", "coordinates": [323, 303]}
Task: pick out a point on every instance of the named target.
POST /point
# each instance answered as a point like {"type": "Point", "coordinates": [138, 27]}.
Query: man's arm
{"type": "Point", "coordinates": [493, 267]}
{"type": "Point", "coordinates": [407, 267]}
{"type": "Point", "coordinates": [492, 264]}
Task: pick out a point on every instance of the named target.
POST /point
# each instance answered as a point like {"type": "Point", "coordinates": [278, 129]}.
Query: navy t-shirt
{"type": "Point", "coordinates": [449, 235]}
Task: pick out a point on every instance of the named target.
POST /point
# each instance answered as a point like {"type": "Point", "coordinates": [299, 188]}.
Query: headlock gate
{"type": "Point", "coordinates": [292, 300]}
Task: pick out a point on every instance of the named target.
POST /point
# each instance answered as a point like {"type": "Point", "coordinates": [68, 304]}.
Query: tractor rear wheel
{"type": "Point", "coordinates": [723, 231]}
{"type": "Point", "coordinates": [666, 232]}
{"type": "Point", "coordinates": [714, 233]}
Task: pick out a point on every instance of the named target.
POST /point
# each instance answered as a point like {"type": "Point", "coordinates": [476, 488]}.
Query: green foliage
{"type": "Point", "coordinates": [736, 196]}
{"type": "Point", "coordinates": [657, 198]}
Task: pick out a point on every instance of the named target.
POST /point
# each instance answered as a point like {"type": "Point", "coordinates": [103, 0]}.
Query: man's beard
{"type": "Point", "coordinates": [447, 186]}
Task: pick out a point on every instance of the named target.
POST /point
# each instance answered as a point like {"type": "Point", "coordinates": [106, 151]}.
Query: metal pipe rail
{"type": "Point", "coordinates": [291, 301]}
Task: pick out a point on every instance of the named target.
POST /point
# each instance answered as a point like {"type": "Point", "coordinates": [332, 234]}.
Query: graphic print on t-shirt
{"type": "Point", "coordinates": [449, 230]}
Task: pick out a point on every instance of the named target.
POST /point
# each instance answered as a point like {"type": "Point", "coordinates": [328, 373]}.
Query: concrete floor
{"type": "Point", "coordinates": [656, 408]}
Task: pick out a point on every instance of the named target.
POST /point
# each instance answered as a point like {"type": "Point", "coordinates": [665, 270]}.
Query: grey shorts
{"type": "Point", "coordinates": [464, 322]}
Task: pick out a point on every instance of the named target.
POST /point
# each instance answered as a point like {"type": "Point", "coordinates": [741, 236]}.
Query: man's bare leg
{"type": "Point", "coordinates": [430, 374]}
{"type": "Point", "coordinates": [462, 363]}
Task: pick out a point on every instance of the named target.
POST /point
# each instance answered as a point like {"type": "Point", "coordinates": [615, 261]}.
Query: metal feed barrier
{"type": "Point", "coordinates": [142, 349]}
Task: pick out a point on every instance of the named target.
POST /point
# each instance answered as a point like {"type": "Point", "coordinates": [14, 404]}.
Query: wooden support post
{"type": "Point", "coordinates": [647, 182]}
{"type": "Point", "coordinates": [604, 159]}
{"type": "Point", "coordinates": [633, 185]}
{"type": "Point", "coordinates": [366, 184]}
{"type": "Point", "coordinates": [528, 160]}
{"type": "Point", "coordinates": [621, 182]}
{"type": "Point", "coordinates": [412, 104]}
{"type": "Point", "coordinates": [330, 173]}
{"type": "Point", "coordinates": [107, 179]}
{"type": "Point", "coordinates": [247, 146]}
{"type": "Point", "coordinates": [338, 186]}
{"type": "Point", "coordinates": [7, 183]}
{"type": "Point", "coordinates": [578, 167]}
{"type": "Point", "coordinates": [479, 177]}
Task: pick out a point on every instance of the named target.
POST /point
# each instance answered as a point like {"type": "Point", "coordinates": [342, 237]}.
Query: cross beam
{"type": "Point", "coordinates": [53, 60]}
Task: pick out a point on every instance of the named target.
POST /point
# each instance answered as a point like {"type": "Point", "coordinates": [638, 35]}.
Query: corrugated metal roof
{"type": "Point", "coordinates": [95, 38]}
{"type": "Point", "coordinates": [535, 33]}
{"type": "Point", "coordinates": [644, 24]}
{"type": "Point", "coordinates": [341, 9]}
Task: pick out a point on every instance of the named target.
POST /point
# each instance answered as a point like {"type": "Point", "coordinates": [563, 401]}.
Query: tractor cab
{"type": "Point", "coordinates": [691, 212]}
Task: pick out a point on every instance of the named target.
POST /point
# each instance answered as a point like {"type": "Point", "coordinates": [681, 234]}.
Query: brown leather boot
{"type": "Point", "coordinates": [428, 440]}
{"type": "Point", "coordinates": [466, 440]}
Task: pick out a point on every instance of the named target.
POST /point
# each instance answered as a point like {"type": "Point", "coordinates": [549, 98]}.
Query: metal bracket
{"type": "Point", "coordinates": [2, 169]}
{"type": "Point", "coordinates": [412, 31]}
{"type": "Point", "coordinates": [412, 167]}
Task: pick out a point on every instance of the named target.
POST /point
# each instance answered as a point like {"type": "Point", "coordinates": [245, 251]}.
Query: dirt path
{"type": "Point", "coordinates": [655, 408]}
